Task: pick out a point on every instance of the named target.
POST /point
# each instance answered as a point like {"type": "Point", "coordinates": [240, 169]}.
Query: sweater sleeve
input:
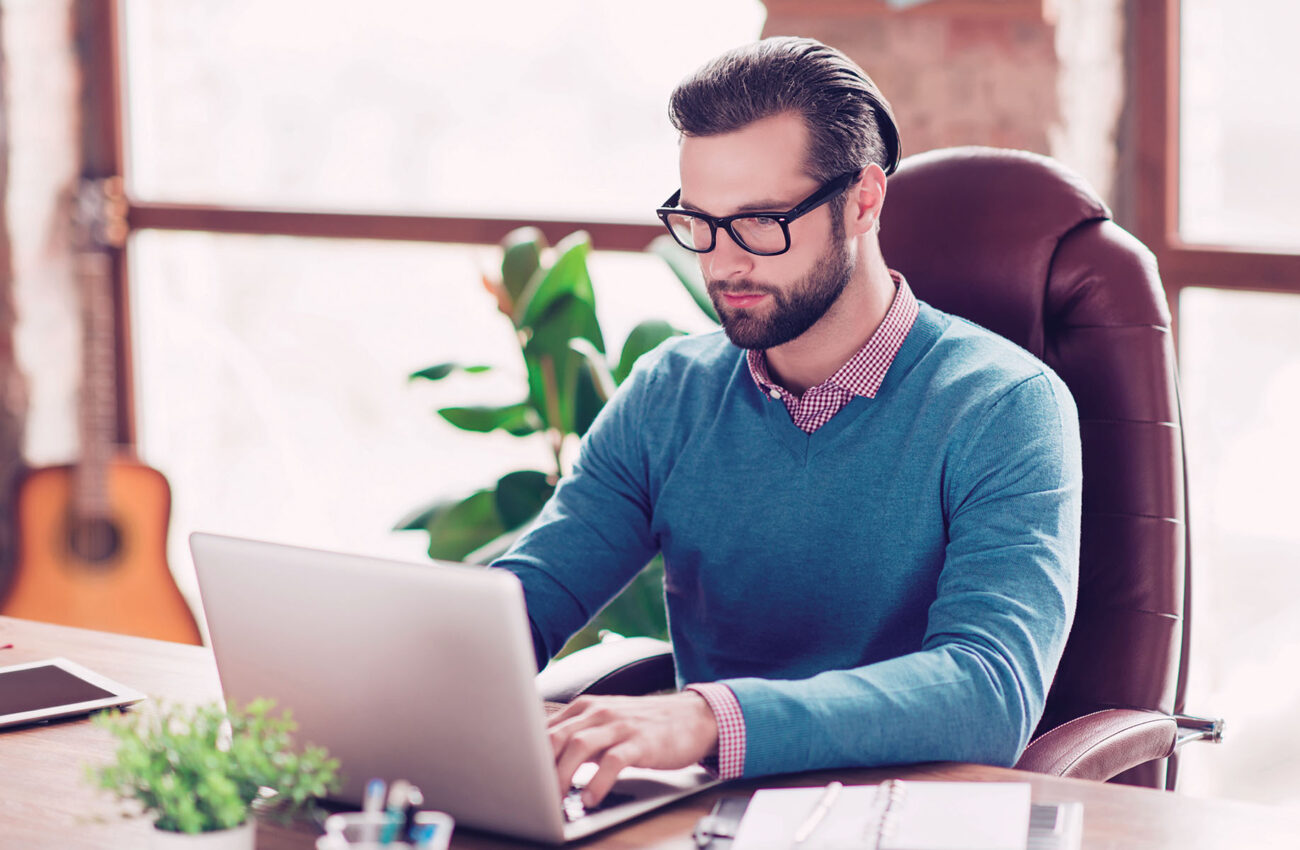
{"type": "Point", "coordinates": [975, 689]}
{"type": "Point", "coordinates": [593, 536]}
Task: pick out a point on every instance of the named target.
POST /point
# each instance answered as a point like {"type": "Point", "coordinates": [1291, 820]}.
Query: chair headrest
{"type": "Point", "coordinates": [974, 230]}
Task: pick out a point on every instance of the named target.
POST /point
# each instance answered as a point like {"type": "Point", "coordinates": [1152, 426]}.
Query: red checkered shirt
{"type": "Point", "coordinates": [861, 375]}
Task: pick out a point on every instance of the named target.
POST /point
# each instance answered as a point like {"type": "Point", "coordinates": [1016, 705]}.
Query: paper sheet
{"type": "Point", "coordinates": [928, 816]}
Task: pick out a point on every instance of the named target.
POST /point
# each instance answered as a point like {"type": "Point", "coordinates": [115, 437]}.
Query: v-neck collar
{"type": "Point", "coordinates": [804, 447]}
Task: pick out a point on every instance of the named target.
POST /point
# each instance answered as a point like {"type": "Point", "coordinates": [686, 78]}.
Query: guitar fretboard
{"type": "Point", "coordinates": [99, 206]}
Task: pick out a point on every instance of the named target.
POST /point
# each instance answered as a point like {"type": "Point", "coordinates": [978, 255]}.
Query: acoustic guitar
{"type": "Point", "coordinates": [92, 537]}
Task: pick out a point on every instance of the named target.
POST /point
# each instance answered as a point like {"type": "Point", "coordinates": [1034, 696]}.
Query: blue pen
{"type": "Point", "coordinates": [432, 831]}
{"type": "Point", "coordinates": [414, 799]}
{"type": "Point", "coordinates": [422, 836]}
{"type": "Point", "coordinates": [372, 804]}
{"type": "Point", "coordinates": [394, 818]}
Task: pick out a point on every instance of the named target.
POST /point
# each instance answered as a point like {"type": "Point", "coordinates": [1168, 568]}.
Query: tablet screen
{"type": "Point", "coordinates": [47, 686]}
{"type": "Point", "coordinates": [56, 687]}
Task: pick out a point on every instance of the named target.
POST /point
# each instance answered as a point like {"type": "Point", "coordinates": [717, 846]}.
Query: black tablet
{"type": "Point", "coordinates": [56, 687]}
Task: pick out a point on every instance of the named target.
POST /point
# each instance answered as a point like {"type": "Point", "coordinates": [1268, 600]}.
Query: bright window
{"type": "Point", "coordinates": [1241, 394]}
{"type": "Point", "coordinates": [272, 375]}
{"type": "Point", "coordinates": [270, 371]}
{"type": "Point", "coordinates": [1240, 124]}
{"type": "Point", "coordinates": [502, 107]}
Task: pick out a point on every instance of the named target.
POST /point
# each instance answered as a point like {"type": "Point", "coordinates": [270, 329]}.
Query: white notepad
{"type": "Point", "coordinates": [904, 815]}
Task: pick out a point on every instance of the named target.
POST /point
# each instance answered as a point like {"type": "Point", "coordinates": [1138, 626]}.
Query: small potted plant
{"type": "Point", "coordinates": [198, 770]}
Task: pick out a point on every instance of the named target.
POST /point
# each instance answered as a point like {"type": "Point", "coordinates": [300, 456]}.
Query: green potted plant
{"type": "Point", "coordinates": [547, 295]}
{"type": "Point", "coordinates": [197, 771]}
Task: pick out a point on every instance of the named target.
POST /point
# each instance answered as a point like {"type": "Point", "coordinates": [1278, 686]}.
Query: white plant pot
{"type": "Point", "coordinates": [239, 838]}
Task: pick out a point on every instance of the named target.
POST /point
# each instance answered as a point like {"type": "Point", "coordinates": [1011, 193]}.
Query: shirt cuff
{"type": "Point", "coordinates": [731, 727]}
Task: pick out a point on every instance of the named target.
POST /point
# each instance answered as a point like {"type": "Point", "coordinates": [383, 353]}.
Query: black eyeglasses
{"type": "Point", "coordinates": [762, 233]}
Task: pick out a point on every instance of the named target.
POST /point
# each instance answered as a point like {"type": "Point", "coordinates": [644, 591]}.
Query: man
{"type": "Point", "coordinates": [868, 509]}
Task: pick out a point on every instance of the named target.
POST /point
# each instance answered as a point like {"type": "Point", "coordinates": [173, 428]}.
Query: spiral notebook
{"type": "Point", "coordinates": [894, 815]}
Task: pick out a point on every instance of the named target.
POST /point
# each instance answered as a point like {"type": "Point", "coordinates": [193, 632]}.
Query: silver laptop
{"type": "Point", "coordinates": [422, 672]}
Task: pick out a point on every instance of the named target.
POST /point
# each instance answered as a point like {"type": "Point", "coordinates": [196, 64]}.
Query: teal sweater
{"type": "Point", "coordinates": [895, 587]}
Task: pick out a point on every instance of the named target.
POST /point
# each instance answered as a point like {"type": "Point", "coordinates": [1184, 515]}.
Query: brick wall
{"type": "Point", "coordinates": [1045, 77]}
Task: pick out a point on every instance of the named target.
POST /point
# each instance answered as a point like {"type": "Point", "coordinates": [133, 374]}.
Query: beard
{"type": "Point", "coordinates": [793, 311]}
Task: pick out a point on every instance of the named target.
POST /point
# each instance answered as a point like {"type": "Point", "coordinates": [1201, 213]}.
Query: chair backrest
{"type": "Point", "coordinates": [1021, 245]}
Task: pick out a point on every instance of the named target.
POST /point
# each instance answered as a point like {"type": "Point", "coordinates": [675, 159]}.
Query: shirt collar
{"type": "Point", "coordinates": [863, 373]}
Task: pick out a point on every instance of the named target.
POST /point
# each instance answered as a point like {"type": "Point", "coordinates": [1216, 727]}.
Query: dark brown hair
{"type": "Point", "coordinates": [850, 124]}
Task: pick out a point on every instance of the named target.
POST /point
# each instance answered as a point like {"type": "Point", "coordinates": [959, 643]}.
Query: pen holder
{"type": "Point", "coordinates": [363, 831]}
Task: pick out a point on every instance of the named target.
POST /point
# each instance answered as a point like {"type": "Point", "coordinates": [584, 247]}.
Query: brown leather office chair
{"type": "Point", "coordinates": [1021, 245]}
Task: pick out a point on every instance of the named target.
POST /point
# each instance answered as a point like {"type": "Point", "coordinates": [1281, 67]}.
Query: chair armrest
{"type": "Point", "coordinates": [631, 666]}
{"type": "Point", "coordinates": [1102, 745]}
{"type": "Point", "coordinates": [1199, 729]}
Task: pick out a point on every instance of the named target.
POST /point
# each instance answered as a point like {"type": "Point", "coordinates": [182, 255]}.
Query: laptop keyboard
{"type": "Point", "coordinates": [574, 810]}
{"type": "Point", "coordinates": [571, 805]}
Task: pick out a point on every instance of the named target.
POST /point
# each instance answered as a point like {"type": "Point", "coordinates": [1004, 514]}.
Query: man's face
{"type": "Point", "coordinates": [764, 302]}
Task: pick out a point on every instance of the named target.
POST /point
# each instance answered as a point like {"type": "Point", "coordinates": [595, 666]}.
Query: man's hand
{"type": "Point", "coordinates": [664, 732]}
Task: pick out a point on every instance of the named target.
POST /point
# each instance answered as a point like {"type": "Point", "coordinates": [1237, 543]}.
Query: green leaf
{"type": "Point", "coordinates": [544, 387]}
{"type": "Point", "coordinates": [517, 419]}
{"type": "Point", "coordinates": [593, 360]}
{"type": "Point", "coordinates": [179, 764]}
{"type": "Point", "coordinates": [495, 548]}
{"type": "Point", "coordinates": [587, 402]}
{"type": "Point", "coordinates": [419, 519]}
{"type": "Point", "coordinates": [643, 338]}
{"type": "Point", "coordinates": [638, 610]}
{"type": "Point", "coordinates": [521, 259]}
{"type": "Point", "coordinates": [553, 365]}
{"type": "Point", "coordinates": [568, 277]}
{"type": "Point", "coordinates": [462, 527]}
{"type": "Point", "coordinates": [520, 495]}
{"type": "Point", "coordinates": [442, 370]}
{"type": "Point", "coordinates": [687, 269]}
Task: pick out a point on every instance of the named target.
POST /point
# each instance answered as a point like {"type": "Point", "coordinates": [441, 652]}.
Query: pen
{"type": "Point", "coordinates": [814, 819]}
{"type": "Point", "coordinates": [414, 799]}
{"type": "Point", "coordinates": [434, 833]}
{"type": "Point", "coordinates": [371, 805]}
{"type": "Point", "coordinates": [422, 836]}
{"type": "Point", "coordinates": [395, 814]}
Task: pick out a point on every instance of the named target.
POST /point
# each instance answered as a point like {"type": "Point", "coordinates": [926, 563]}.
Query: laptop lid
{"type": "Point", "coordinates": [423, 672]}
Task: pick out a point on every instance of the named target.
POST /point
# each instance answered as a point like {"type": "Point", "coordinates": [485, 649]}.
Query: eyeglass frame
{"type": "Point", "coordinates": [823, 195]}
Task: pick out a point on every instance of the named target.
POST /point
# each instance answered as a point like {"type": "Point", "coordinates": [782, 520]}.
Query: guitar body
{"type": "Point", "coordinates": [109, 574]}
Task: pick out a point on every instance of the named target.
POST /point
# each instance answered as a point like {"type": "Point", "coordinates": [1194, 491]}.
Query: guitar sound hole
{"type": "Point", "coordinates": [94, 540]}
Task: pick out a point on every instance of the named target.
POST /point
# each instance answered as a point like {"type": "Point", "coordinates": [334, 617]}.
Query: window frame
{"type": "Point", "coordinates": [1157, 83]}
{"type": "Point", "coordinates": [105, 146]}
{"type": "Point", "coordinates": [1155, 74]}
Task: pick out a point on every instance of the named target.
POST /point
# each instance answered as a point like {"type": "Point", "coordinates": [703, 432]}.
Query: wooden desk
{"type": "Point", "coordinates": [45, 803]}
